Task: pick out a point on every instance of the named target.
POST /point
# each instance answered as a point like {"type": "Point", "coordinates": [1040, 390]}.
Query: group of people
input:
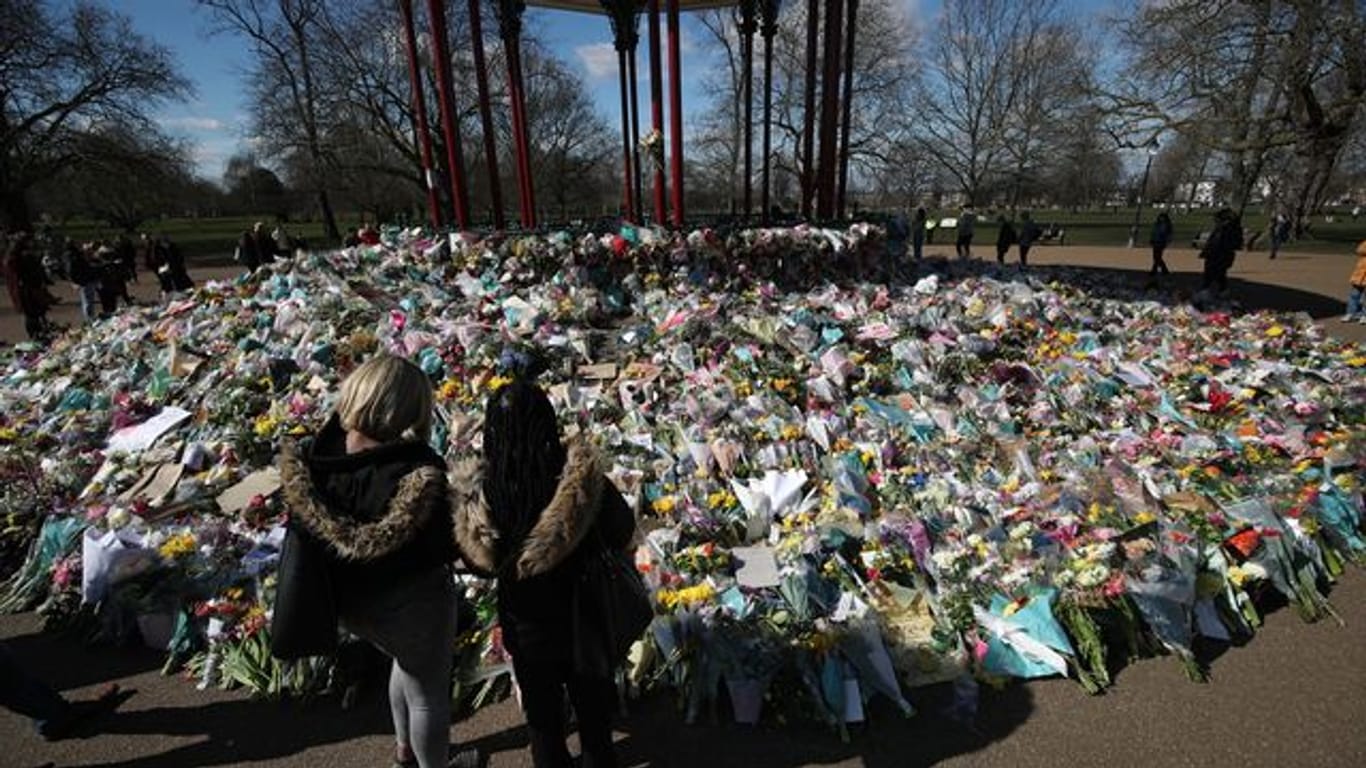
{"type": "Point", "coordinates": [531, 513]}
{"type": "Point", "coordinates": [257, 247]}
{"type": "Point", "coordinates": [99, 270]}
{"type": "Point", "coordinates": [919, 231]}
{"type": "Point", "coordinates": [1218, 251]}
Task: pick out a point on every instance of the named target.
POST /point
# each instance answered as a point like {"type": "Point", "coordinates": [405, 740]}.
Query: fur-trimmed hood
{"type": "Point", "coordinates": [419, 494]}
{"type": "Point", "coordinates": [559, 530]}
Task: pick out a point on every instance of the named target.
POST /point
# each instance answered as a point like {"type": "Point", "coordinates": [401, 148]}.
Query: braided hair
{"type": "Point", "coordinates": [523, 458]}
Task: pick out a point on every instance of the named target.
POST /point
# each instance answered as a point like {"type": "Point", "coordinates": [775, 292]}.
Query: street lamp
{"type": "Point", "coordinates": [1152, 147]}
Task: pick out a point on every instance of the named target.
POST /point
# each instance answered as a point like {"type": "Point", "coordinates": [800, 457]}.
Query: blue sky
{"type": "Point", "coordinates": [216, 121]}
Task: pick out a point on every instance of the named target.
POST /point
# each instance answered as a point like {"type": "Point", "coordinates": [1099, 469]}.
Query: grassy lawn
{"type": "Point", "coordinates": [212, 240]}
{"type": "Point", "coordinates": [1111, 228]}
{"type": "Point", "coordinates": [204, 240]}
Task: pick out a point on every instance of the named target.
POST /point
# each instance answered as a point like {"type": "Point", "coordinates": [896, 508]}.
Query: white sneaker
{"type": "Point", "coordinates": [1348, 319]}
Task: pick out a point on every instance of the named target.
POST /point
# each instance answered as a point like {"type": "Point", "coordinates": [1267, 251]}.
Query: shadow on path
{"type": "Point", "coordinates": [243, 731]}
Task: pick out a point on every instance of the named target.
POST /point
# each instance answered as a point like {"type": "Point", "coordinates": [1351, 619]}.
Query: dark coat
{"type": "Point", "coordinates": [1005, 236]}
{"type": "Point", "coordinates": [1224, 242]}
{"type": "Point", "coordinates": [265, 246]}
{"type": "Point", "coordinates": [247, 252]}
{"type": "Point", "coordinates": [536, 576]}
{"type": "Point", "coordinates": [26, 281]}
{"type": "Point", "coordinates": [1162, 232]}
{"type": "Point", "coordinates": [174, 261]}
{"type": "Point", "coordinates": [383, 513]}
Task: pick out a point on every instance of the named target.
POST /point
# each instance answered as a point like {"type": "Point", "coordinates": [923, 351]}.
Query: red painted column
{"type": "Point", "coordinates": [635, 124]}
{"type": "Point", "coordinates": [769, 30]}
{"type": "Point", "coordinates": [809, 113]}
{"type": "Point", "coordinates": [830, 92]}
{"type": "Point", "coordinates": [657, 111]}
{"type": "Point", "coordinates": [450, 126]}
{"type": "Point", "coordinates": [747, 24]}
{"type": "Point", "coordinates": [675, 113]}
{"type": "Point", "coordinates": [424, 136]}
{"type": "Point", "coordinates": [481, 79]}
{"type": "Point", "coordinates": [510, 26]}
{"type": "Point", "coordinates": [628, 176]}
{"type": "Point", "coordinates": [846, 121]}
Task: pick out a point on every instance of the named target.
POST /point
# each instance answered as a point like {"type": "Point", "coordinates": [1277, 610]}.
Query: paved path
{"type": "Point", "coordinates": [1295, 695]}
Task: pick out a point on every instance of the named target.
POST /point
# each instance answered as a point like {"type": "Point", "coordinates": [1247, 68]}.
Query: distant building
{"type": "Point", "coordinates": [1200, 194]}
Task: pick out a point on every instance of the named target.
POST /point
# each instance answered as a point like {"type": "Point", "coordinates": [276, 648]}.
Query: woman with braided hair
{"type": "Point", "coordinates": [531, 516]}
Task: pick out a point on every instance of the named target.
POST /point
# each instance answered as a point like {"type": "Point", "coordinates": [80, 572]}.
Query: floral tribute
{"type": "Point", "coordinates": [847, 489]}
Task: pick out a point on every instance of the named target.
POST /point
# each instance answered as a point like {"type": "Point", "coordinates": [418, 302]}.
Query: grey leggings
{"type": "Point", "coordinates": [415, 626]}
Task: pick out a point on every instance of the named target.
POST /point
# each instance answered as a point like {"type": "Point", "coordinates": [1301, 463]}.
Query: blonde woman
{"type": "Point", "coordinates": [372, 490]}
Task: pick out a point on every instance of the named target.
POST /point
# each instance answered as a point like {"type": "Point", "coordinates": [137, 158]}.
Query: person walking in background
{"type": "Point", "coordinates": [918, 234]}
{"type": "Point", "coordinates": [26, 281]}
{"type": "Point", "coordinates": [113, 281]}
{"type": "Point", "coordinates": [1355, 310]}
{"type": "Point", "coordinates": [265, 244]}
{"type": "Point", "coordinates": [127, 257]}
{"type": "Point", "coordinates": [1160, 238]}
{"type": "Point", "coordinates": [173, 261]}
{"type": "Point", "coordinates": [373, 491]}
{"type": "Point", "coordinates": [153, 259]}
{"type": "Point", "coordinates": [1220, 250]}
{"type": "Point", "coordinates": [247, 254]}
{"type": "Point", "coordinates": [282, 242]}
{"type": "Point", "coordinates": [1280, 232]}
{"type": "Point", "coordinates": [1029, 232]}
{"type": "Point", "coordinates": [538, 511]}
{"type": "Point", "coordinates": [967, 226]}
{"type": "Point", "coordinates": [1005, 238]}
{"type": "Point", "coordinates": [85, 276]}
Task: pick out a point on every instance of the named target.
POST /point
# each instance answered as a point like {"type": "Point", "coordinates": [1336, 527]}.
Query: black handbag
{"type": "Point", "coordinates": [611, 610]}
{"type": "Point", "coordinates": [305, 618]}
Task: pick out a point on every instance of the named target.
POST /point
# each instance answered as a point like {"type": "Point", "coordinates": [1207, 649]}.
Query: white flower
{"type": "Point", "coordinates": [944, 559]}
{"type": "Point", "coordinates": [1093, 576]}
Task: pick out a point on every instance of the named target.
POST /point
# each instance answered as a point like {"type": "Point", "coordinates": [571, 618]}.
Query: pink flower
{"type": "Point", "coordinates": [1114, 587]}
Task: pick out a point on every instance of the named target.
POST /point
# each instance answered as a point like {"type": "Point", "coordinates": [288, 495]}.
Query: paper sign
{"type": "Point", "coordinates": [141, 437]}
{"type": "Point", "coordinates": [155, 484]}
{"type": "Point", "coordinates": [758, 567]}
{"type": "Point", "coordinates": [260, 483]}
{"type": "Point", "coordinates": [605, 371]}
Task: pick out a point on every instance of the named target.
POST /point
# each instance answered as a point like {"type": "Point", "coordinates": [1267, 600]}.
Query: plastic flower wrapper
{"type": "Point", "coordinates": [1024, 639]}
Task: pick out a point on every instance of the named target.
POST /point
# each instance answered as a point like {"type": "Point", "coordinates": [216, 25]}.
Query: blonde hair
{"type": "Point", "coordinates": [387, 399]}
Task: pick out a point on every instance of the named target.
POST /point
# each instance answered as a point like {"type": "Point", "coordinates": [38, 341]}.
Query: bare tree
{"type": "Point", "coordinates": [1052, 121]}
{"type": "Point", "coordinates": [988, 65]}
{"type": "Point", "coordinates": [290, 106]}
{"type": "Point", "coordinates": [1259, 83]}
{"type": "Point", "coordinates": [571, 146]}
{"type": "Point", "coordinates": [884, 67]}
{"type": "Point", "coordinates": [61, 78]}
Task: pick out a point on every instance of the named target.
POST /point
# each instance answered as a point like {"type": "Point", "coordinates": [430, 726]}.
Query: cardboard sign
{"type": "Point", "coordinates": [260, 483]}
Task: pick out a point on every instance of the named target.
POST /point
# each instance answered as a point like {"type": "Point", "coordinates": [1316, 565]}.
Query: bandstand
{"type": "Point", "coordinates": [824, 148]}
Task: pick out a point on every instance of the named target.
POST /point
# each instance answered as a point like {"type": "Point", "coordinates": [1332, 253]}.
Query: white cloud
{"type": "Point", "coordinates": [599, 59]}
{"type": "Point", "coordinates": [191, 123]}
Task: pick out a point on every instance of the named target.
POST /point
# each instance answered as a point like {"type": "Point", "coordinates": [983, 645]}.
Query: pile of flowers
{"type": "Point", "coordinates": [847, 488]}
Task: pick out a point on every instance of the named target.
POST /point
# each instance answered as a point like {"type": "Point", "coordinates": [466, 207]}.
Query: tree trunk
{"type": "Point", "coordinates": [15, 215]}
{"type": "Point", "coordinates": [329, 219]}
